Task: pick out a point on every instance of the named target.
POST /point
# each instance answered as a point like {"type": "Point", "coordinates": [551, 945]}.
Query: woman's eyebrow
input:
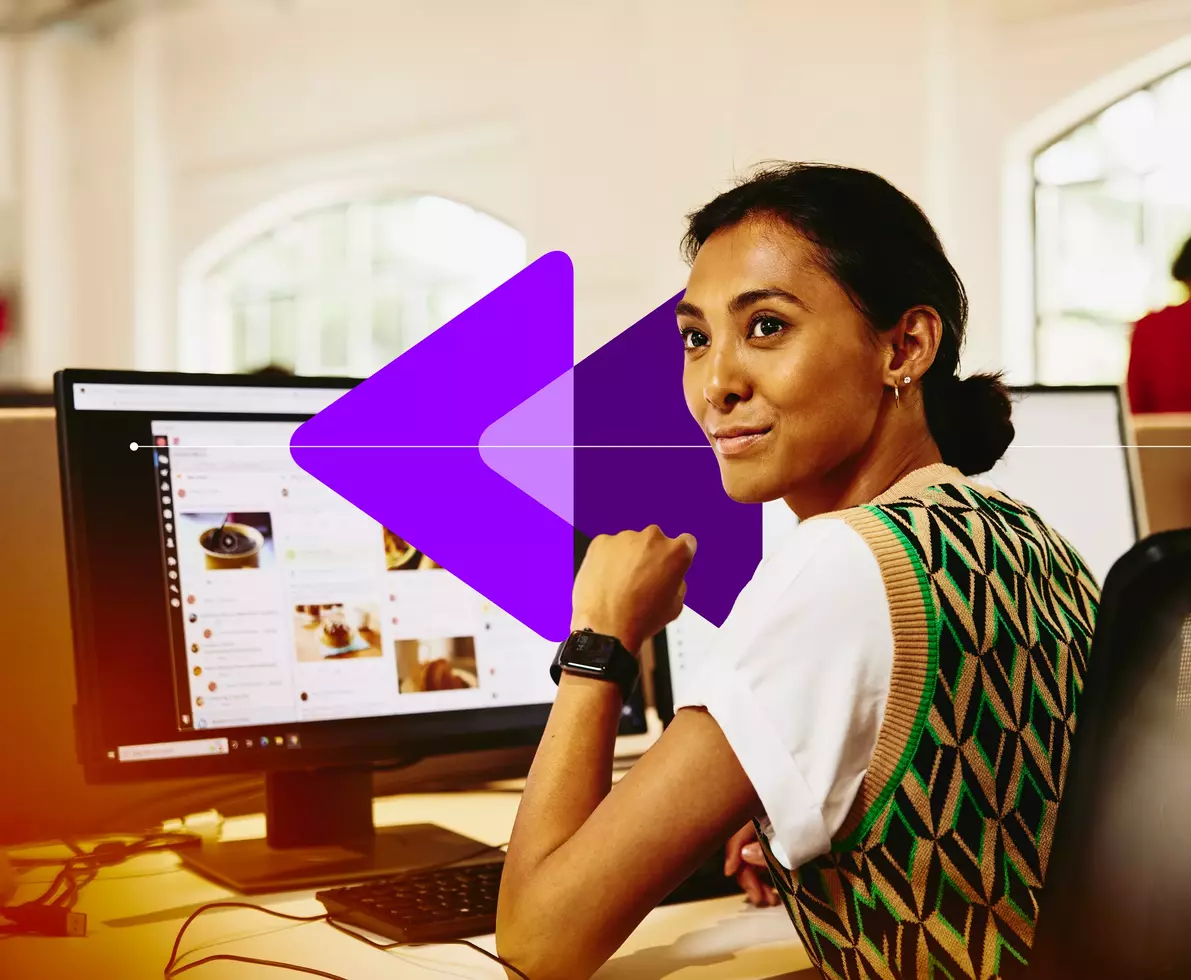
{"type": "Point", "coordinates": [689, 309]}
{"type": "Point", "coordinates": [744, 300]}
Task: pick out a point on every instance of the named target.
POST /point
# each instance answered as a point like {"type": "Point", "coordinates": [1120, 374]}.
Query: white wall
{"type": "Point", "coordinates": [592, 127]}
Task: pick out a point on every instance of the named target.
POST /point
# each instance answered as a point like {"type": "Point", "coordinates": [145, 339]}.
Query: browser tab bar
{"type": "Point", "coordinates": [203, 398]}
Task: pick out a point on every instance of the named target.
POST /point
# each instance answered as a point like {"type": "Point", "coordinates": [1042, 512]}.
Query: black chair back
{"type": "Point", "coordinates": [1117, 894]}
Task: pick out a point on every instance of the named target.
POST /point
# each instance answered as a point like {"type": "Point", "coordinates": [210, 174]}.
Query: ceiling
{"type": "Point", "coordinates": [1023, 10]}
{"type": "Point", "coordinates": [28, 16]}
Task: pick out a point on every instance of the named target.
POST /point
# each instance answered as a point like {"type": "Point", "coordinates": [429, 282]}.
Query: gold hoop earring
{"type": "Point", "coordinates": [897, 395]}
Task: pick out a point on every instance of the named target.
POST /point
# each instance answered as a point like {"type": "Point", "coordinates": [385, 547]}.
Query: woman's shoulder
{"type": "Point", "coordinates": [814, 571]}
{"type": "Point", "coordinates": [821, 553]}
{"type": "Point", "coordinates": [1169, 316]}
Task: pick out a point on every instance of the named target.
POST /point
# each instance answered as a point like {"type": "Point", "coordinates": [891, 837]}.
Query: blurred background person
{"type": "Point", "coordinates": [1159, 380]}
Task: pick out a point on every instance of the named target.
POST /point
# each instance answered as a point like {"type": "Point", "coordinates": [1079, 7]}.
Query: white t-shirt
{"type": "Point", "coordinates": [798, 679]}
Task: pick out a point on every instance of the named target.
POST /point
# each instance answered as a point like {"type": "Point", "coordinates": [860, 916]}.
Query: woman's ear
{"type": "Point", "coordinates": [914, 343]}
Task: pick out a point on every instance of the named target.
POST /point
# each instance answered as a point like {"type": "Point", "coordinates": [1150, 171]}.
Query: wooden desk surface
{"type": "Point", "coordinates": [134, 912]}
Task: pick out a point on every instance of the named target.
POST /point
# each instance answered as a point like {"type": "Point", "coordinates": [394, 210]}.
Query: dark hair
{"type": "Point", "coordinates": [1181, 269]}
{"type": "Point", "coordinates": [272, 371]}
{"type": "Point", "coordinates": [880, 247]}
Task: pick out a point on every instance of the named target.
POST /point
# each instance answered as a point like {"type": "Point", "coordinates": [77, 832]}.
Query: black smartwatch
{"type": "Point", "coordinates": [588, 654]}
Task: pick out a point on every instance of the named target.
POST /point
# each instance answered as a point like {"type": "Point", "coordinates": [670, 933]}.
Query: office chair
{"type": "Point", "coordinates": [1117, 897]}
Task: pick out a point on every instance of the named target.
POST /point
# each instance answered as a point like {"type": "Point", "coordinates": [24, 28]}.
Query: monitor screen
{"type": "Point", "coordinates": [232, 612]}
{"type": "Point", "coordinates": [1068, 462]}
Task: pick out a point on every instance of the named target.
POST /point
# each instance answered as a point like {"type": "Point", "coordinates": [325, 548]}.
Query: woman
{"type": "Point", "coordinates": [1159, 349]}
{"type": "Point", "coordinates": [892, 696]}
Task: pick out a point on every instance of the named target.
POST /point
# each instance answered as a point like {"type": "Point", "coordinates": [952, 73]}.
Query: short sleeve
{"type": "Point", "coordinates": [1136, 381]}
{"type": "Point", "coordinates": [798, 678]}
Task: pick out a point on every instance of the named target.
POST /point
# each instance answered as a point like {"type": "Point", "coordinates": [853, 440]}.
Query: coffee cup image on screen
{"type": "Point", "coordinates": [224, 542]}
{"type": "Point", "coordinates": [401, 556]}
{"type": "Point", "coordinates": [447, 664]}
{"type": "Point", "coordinates": [336, 631]}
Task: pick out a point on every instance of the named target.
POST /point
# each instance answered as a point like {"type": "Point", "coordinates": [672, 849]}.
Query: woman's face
{"type": "Point", "coordinates": [782, 372]}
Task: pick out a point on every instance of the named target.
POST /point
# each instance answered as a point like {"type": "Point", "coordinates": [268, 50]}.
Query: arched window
{"type": "Point", "coordinates": [1112, 204]}
{"type": "Point", "coordinates": [345, 288]}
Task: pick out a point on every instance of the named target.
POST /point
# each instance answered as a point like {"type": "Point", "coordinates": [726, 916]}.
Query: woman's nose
{"type": "Point", "coordinates": [726, 382]}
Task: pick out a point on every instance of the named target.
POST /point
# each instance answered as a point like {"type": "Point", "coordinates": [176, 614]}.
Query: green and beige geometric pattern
{"type": "Point", "coordinates": [936, 871]}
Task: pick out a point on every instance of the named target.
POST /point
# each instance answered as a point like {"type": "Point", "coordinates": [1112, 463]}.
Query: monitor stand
{"type": "Point", "coordinates": [320, 833]}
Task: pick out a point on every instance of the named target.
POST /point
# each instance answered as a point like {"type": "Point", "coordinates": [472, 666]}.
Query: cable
{"type": "Point", "coordinates": [385, 947]}
{"type": "Point", "coordinates": [172, 969]}
{"type": "Point", "coordinates": [234, 958]}
{"type": "Point", "coordinates": [50, 913]}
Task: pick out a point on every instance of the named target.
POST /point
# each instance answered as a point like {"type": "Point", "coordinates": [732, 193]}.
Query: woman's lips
{"type": "Point", "coordinates": [735, 442]}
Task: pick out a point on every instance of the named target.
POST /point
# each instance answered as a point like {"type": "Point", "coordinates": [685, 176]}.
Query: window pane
{"type": "Point", "coordinates": [412, 263]}
{"type": "Point", "coordinates": [328, 230]}
{"type": "Point", "coordinates": [386, 329]}
{"type": "Point", "coordinates": [1093, 243]}
{"type": "Point", "coordinates": [1075, 350]}
{"type": "Point", "coordinates": [1112, 206]}
{"type": "Point", "coordinates": [333, 334]}
{"type": "Point", "coordinates": [240, 339]}
{"type": "Point", "coordinates": [283, 349]}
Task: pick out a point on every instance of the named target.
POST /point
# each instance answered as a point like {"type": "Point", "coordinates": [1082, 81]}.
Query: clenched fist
{"type": "Point", "coordinates": [631, 584]}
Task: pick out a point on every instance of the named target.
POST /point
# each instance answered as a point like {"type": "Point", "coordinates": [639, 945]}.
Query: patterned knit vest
{"type": "Point", "coordinates": [938, 866]}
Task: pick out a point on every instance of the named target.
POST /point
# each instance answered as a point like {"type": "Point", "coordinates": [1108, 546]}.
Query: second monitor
{"type": "Point", "coordinates": [1068, 461]}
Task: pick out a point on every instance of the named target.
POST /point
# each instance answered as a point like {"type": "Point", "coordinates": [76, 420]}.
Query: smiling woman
{"type": "Point", "coordinates": [859, 714]}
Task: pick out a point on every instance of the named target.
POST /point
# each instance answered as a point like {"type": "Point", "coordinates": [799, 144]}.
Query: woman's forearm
{"type": "Point", "coordinates": [571, 774]}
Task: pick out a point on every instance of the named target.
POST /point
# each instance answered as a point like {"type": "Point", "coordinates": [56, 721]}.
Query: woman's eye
{"type": "Point", "coordinates": [765, 326]}
{"type": "Point", "coordinates": [693, 338]}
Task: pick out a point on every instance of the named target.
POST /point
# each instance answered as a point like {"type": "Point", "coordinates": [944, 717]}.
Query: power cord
{"type": "Point", "coordinates": [51, 913]}
{"type": "Point", "coordinates": [172, 969]}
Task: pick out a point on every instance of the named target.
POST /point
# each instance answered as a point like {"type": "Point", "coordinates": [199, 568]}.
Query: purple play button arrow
{"type": "Point", "coordinates": [466, 446]}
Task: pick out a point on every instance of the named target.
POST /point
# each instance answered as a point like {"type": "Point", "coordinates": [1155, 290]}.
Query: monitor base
{"type": "Point", "coordinates": [253, 867]}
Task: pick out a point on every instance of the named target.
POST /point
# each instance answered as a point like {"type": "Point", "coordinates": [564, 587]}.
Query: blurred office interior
{"type": "Point", "coordinates": [213, 185]}
{"type": "Point", "coordinates": [218, 185]}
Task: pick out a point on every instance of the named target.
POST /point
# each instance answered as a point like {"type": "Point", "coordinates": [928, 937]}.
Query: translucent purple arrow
{"type": "Point", "coordinates": [483, 446]}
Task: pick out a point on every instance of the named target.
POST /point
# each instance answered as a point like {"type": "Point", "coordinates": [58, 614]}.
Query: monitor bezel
{"type": "Point", "coordinates": [372, 750]}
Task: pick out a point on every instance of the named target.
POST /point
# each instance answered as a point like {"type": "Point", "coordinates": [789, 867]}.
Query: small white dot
{"type": "Point", "coordinates": [133, 446]}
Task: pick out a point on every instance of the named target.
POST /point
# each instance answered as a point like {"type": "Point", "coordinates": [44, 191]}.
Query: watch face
{"type": "Point", "coordinates": [590, 651]}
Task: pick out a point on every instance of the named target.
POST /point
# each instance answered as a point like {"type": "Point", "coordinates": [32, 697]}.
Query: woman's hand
{"type": "Point", "coordinates": [631, 584]}
{"type": "Point", "coordinates": [743, 858]}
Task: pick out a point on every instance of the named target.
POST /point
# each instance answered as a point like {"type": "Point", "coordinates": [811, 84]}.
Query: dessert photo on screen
{"type": "Point", "coordinates": [336, 631]}
{"type": "Point", "coordinates": [401, 556]}
{"type": "Point", "coordinates": [447, 664]}
{"type": "Point", "coordinates": [226, 541]}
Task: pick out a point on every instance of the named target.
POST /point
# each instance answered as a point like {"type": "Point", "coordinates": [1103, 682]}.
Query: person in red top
{"type": "Point", "coordinates": [1159, 379]}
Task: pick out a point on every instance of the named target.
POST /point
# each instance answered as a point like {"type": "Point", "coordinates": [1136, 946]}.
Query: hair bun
{"type": "Point", "coordinates": [970, 419]}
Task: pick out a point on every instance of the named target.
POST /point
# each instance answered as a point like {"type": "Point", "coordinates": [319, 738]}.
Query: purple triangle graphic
{"type": "Point", "coordinates": [533, 446]}
{"type": "Point", "coordinates": [419, 447]}
{"type": "Point", "coordinates": [659, 467]}
{"type": "Point", "coordinates": [419, 421]}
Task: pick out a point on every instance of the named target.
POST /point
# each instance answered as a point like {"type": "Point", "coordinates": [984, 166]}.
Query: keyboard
{"type": "Point", "coordinates": [458, 902]}
{"type": "Point", "coordinates": [421, 906]}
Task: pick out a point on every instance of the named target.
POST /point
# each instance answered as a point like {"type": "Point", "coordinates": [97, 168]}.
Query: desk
{"type": "Point", "coordinates": [134, 911]}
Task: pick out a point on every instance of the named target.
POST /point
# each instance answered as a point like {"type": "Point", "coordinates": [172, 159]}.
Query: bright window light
{"type": "Point", "coordinates": [343, 290]}
{"type": "Point", "coordinates": [1112, 205]}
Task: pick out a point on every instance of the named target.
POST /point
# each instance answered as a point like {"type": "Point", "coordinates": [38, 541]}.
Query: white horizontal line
{"type": "Point", "coordinates": [174, 448]}
{"type": "Point", "coordinates": [708, 446]}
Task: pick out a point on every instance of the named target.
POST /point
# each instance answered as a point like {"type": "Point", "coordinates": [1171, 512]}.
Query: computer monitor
{"type": "Point", "coordinates": [45, 794]}
{"type": "Point", "coordinates": [232, 614]}
{"type": "Point", "coordinates": [1068, 461]}
{"type": "Point", "coordinates": [1162, 453]}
